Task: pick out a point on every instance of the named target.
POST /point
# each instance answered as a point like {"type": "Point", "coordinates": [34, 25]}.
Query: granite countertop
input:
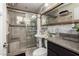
{"type": "Point", "coordinates": [73, 46]}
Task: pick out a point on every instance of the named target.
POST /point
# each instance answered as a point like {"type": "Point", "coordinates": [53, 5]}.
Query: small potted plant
{"type": "Point", "coordinates": [76, 27]}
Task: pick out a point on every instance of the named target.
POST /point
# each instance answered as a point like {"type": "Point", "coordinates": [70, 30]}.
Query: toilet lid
{"type": "Point", "coordinates": [40, 51]}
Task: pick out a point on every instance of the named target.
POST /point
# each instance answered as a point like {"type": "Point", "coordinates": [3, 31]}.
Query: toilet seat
{"type": "Point", "coordinates": [40, 52]}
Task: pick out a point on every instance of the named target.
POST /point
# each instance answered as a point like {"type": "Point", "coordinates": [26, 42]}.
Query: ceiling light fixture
{"type": "Point", "coordinates": [46, 4]}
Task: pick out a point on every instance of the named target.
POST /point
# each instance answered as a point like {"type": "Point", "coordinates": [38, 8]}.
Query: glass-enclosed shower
{"type": "Point", "coordinates": [21, 31]}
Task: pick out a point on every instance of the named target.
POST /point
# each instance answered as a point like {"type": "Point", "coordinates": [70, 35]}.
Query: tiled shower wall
{"type": "Point", "coordinates": [60, 28]}
{"type": "Point", "coordinates": [22, 35]}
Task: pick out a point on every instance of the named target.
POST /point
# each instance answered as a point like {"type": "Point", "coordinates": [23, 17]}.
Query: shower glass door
{"type": "Point", "coordinates": [22, 30]}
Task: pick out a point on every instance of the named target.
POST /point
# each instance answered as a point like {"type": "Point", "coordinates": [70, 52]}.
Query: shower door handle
{"type": "Point", "coordinates": [5, 45]}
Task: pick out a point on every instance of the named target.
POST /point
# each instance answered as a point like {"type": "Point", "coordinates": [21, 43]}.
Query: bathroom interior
{"type": "Point", "coordinates": [42, 29]}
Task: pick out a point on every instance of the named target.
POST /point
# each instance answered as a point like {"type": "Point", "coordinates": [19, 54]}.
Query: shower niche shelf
{"type": "Point", "coordinates": [12, 25]}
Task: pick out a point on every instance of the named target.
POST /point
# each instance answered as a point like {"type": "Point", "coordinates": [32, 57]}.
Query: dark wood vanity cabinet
{"type": "Point", "coordinates": [56, 50]}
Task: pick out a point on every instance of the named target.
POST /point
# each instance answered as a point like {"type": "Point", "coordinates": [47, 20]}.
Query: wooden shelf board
{"type": "Point", "coordinates": [63, 22]}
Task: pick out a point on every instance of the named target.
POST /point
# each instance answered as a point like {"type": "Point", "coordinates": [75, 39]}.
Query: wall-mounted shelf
{"type": "Point", "coordinates": [62, 22]}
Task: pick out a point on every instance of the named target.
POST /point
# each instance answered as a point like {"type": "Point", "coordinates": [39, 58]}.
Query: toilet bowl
{"type": "Point", "coordinates": [40, 52]}
{"type": "Point", "coordinates": [42, 44]}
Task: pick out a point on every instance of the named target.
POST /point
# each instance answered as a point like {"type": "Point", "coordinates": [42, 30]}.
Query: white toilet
{"type": "Point", "coordinates": [41, 51]}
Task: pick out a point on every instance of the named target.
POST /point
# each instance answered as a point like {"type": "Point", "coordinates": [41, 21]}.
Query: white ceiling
{"type": "Point", "coordinates": [31, 7]}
